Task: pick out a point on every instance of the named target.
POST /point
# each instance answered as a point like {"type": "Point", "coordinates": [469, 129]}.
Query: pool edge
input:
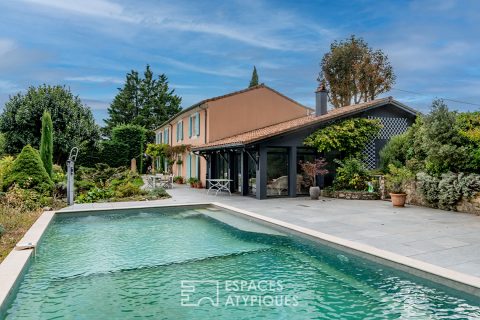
{"type": "Point", "coordinates": [14, 265]}
{"type": "Point", "coordinates": [447, 277]}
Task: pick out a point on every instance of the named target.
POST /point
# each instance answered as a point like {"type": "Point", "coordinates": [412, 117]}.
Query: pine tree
{"type": "Point", "coordinates": [46, 143]}
{"type": "Point", "coordinates": [254, 80]}
{"type": "Point", "coordinates": [145, 101]}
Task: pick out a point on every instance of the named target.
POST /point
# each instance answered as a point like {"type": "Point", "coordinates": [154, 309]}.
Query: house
{"type": "Point", "coordinates": [221, 117]}
{"type": "Point", "coordinates": [264, 162]}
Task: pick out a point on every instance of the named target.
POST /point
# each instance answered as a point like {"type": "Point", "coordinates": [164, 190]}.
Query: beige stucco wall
{"type": "Point", "coordinates": [229, 116]}
{"type": "Point", "coordinates": [248, 111]}
{"type": "Point", "coordinates": [194, 141]}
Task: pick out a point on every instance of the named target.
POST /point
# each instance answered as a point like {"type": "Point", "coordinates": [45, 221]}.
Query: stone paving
{"type": "Point", "coordinates": [447, 239]}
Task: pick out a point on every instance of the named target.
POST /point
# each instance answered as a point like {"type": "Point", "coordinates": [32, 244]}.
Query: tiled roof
{"type": "Point", "coordinates": [291, 125]}
{"type": "Point", "coordinates": [226, 96]}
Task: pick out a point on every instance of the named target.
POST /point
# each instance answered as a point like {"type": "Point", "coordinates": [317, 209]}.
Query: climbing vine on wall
{"type": "Point", "coordinates": [350, 136]}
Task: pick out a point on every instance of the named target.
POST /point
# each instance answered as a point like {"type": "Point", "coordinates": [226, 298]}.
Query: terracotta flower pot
{"type": "Point", "coordinates": [314, 193]}
{"type": "Point", "coordinates": [398, 199]}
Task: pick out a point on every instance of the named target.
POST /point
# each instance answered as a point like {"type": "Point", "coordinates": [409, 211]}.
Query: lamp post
{"type": "Point", "coordinates": [71, 175]}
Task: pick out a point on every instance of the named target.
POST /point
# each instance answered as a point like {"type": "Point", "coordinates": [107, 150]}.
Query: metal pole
{"type": "Point", "coordinates": [71, 175]}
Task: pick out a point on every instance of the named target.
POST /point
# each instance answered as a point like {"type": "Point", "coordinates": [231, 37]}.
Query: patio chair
{"type": "Point", "coordinates": [280, 184]}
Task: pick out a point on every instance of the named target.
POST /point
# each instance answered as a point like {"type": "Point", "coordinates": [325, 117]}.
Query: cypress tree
{"type": "Point", "coordinates": [254, 80]}
{"type": "Point", "coordinates": [46, 143]}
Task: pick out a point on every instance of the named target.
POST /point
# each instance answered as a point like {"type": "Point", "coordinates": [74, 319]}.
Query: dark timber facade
{"type": "Point", "coordinates": [265, 162]}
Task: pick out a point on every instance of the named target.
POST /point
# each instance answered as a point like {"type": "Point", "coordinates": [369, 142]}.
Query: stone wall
{"type": "Point", "coordinates": [351, 195]}
{"type": "Point", "coordinates": [414, 196]}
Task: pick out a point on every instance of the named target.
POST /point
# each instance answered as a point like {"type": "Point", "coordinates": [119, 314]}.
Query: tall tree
{"type": "Point", "coordinates": [46, 143]}
{"type": "Point", "coordinates": [147, 102]}
{"type": "Point", "coordinates": [353, 72]}
{"type": "Point", "coordinates": [254, 80]}
{"type": "Point", "coordinates": [73, 122]}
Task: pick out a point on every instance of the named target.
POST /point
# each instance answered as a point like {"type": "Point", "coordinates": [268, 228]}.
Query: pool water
{"type": "Point", "coordinates": [179, 263]}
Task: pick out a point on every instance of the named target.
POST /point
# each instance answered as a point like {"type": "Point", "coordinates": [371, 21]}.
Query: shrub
{"type": "Point", "coordinates": [114, 153]}
{"type": "Point", "coordinates": [95, 195]}
{"type": "Point", "coordinates": [6, 164]}
{"type": "Point", "coordinates": [158, 193]}
{"type": "Point", "coordinates": [134, 137]}
{"type": "Point", "coordinates": [397, 178]}
{"type": "Point", "coordinates": [394, 152]}
{"type": "Point", "coordinates": [46, 143]}
{"type": "Point", "coordinates": [351, 175]}
{"type": "Point", "coordinates": [58, 174]}
{"type": "Point", "coordinates": [127, 190]}
{"type": "Point", "coordinates": [2, 230]}
{"type": "Point", "coordinates": [447, 191]}
{"type": "Point", "coordinates": [28, 172]}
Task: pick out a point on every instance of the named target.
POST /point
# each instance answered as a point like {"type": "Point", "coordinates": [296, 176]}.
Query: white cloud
{"type": "Point", "coordinates": [95, 8]}
{"type": "Point", "coordinates": [225, 72]}
{"type": "Point", "coordinates": [96, 79]}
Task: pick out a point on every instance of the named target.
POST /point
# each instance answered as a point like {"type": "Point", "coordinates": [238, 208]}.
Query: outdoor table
{"type": "Point", "coordinates": [219, 185]}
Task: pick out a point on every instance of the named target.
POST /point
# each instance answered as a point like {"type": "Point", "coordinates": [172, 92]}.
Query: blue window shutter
{"type": "Point", "coordinates": [181, 131]}
{"type": "Point", "coordinates": [190, 123]}
{"type": "Point", "coordinates": [197, 124]}
{"type": "Point", "coordinates": [178, 131]}
{"type": "Point", "coordinates": [189, 164]}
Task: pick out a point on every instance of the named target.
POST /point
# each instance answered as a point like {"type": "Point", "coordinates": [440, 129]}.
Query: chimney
{"type": "Point", "coordinates": [321, 100]}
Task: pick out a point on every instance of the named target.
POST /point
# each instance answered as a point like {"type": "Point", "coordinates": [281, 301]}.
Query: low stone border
{"type": "Point", "coordinates": [351, 195]}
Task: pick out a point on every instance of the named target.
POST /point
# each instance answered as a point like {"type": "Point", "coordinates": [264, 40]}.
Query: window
{"type": "Point", "coordinates": [165, 136]}
{"type": "Point", "coordinates": [194, 125]}
{"type": "Point", "coordinates": [180, 131]}
{"type": "Point", "coordinates": [277, 172]}
{"type": "Point", "coordinates": [158, 138]}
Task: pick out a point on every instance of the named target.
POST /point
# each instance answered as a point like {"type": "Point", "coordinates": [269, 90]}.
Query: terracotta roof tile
{"type": "Point", "coordinates": [283, 127]}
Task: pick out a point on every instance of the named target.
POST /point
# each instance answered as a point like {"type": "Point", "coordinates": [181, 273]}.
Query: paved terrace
{"type": "Point", "coordinates": [447, 239]}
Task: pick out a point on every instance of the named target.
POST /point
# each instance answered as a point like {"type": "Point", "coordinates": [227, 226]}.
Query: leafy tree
{"type": "Point", "coordinates": [146, 102]}
{"type": "Point", "coordinates": [46, 143]}
{"type": "Point", "coordinates": [126, 143]}
{"type": "Point", "coordinates": [254, 80]}
{"type": "Point", "coordinates": [73, 122]}
{"type": "Point", "coordinates": [439, 141]}
{"type": "Point", "coordinates": [353, 72]}
{"type": "Point", "coordinates": [155, 150]}
{"type": "Point", "coordinates": [350, 136]}
{"type": "Point", "coordinates": [28, 172]}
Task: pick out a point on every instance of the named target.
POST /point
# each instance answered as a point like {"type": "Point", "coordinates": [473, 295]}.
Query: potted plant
{"type": "Point", "coordinates": [198, 184]}
{"type": "Point", "coordinates": [395, 182]}
{"type": "Point", "coordinates": [178, 179]}
{"type": "Point", "coordinates": [312, 170]}
{"type": "Point", "coordinates": [192, 181]}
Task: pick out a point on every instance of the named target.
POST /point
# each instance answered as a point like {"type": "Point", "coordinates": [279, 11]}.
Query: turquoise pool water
{"type": "Point", "coordinates": [131, 264]}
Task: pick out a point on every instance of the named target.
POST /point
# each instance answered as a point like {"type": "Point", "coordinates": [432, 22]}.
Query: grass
{"type": "Point", "coordinates": [15, 222]}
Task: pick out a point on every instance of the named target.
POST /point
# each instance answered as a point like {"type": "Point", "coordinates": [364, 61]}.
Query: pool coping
{"type": "Point", "coordinates": [14, 265]}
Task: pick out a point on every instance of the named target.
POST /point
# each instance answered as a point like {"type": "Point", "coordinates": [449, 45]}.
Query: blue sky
{"type": "Point", "coordinates": [208, 48]}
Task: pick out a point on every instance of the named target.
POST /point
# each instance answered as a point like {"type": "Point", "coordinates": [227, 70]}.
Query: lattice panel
{"type": "Point", "coordinates": [391, 127]}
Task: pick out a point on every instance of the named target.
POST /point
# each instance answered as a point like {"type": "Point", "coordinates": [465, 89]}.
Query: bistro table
{"type": "Point", "coordinates": [219, 185]}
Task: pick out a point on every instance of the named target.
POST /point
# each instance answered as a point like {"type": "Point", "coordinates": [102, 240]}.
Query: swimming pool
{"type": "Point", "coordinates": [202, 262]}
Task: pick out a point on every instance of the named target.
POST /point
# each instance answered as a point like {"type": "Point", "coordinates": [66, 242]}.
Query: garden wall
{"type": "Point", "coordinates": [414, 196]}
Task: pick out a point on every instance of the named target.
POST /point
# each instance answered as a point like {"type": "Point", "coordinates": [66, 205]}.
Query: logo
{"type": "Point", "coordinates": [197, 292]}
{"type": "Point", "coordinates": [234, 293]}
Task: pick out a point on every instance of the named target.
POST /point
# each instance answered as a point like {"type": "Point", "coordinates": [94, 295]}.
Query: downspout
{"type": "Point", "coordinates": [205, 141]}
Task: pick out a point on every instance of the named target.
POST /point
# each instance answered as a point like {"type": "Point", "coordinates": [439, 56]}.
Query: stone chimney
{"type": "Point", "coordinates": [321, 100]}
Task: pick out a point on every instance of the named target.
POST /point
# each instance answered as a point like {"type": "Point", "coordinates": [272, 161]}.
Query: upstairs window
{"type": "Point", "coordinates": [165, 136]}
{"type": "Point", "coordinates": [194, 125]}
{"type": "Point", "coordinates": [180, 131]}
